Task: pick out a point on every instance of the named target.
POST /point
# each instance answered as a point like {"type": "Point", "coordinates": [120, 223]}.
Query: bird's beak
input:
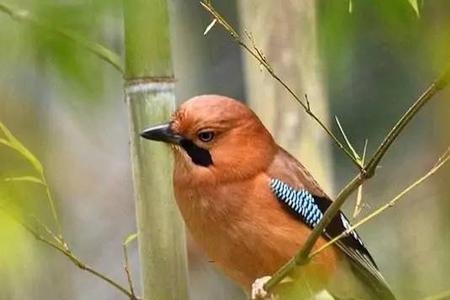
{"type": "Point", "coordinates": [162, 133]}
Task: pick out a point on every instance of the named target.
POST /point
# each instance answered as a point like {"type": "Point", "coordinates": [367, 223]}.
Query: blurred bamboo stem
{"type": "Point", "coordinates": [150, 98]}
{"type": "Point", "coordinates": [260, 57]}
{"type": "Point", "coordinates": [100, 51]}
{"type": "Point", "coordinates": [296, 56]}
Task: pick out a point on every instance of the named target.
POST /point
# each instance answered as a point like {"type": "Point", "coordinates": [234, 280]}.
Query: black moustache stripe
{"type": "Point", "coordinates": [199, 156]}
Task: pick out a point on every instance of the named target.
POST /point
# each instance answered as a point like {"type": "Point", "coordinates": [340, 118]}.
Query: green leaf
{"type": "Point", "coordinates": [26, 179]}
{"type": "Point", "coordinates": [14, 143]}
{"type": "Point", "coordinates": [415, 5]}
{"type": "Point", "coordinates": [129, 239]}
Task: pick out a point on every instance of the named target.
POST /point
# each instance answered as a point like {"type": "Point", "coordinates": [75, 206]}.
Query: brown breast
{"type": "Point", "coordinates": [244, 229]}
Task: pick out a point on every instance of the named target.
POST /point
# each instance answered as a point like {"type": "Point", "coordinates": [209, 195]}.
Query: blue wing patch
{"type": "Point", "coordinates": [310, 209]}
{"type": "Point", "coordinates": [300, 201]}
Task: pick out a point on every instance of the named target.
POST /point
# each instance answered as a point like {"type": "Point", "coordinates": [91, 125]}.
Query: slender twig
{"type": "Point", "coordinates": [441, 162]}
{"type": "Point", "coordinates": [359, 204]}
{"type": "Point", "coordinates": [97, 49]}
{"type": "Point", "coordinates": [439, 84]}
{"type": "Point", "coordinates": [302, 257]}
{"type": "Point", "coordinates": [258, 55]}
{"type": "Point", "coordinates": [126, 266]}
{"type": "Point", "coordinates": [52, 206]}
{"type": "Point", "coordinates": [347, 141]}
{"type": "Point", "coordinates": [47, 230]}
{"type": "Point", "coordinates": [65, 250]}
{"type": "Point", "coordinates": [56, 241]}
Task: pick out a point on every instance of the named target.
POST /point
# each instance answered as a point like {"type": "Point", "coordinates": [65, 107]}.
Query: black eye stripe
{"type": "Point", "coordinates": [199, 156]}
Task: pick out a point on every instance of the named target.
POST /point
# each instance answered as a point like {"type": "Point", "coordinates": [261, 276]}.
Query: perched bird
{"type": "Point", "coordinates": [251, 206]}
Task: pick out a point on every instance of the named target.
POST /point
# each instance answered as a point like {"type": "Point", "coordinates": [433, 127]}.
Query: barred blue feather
{"type": "Point", "coordinates": [299, 201]}
{"type": "Point", "coordinates": [310, 209]}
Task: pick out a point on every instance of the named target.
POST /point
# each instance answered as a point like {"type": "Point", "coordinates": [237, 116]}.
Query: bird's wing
{"type": "Point", "coordinates": [302, 196]}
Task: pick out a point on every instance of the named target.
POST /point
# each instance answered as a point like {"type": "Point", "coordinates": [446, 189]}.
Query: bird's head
{"type": "Point", "coordinates": [216, 139]}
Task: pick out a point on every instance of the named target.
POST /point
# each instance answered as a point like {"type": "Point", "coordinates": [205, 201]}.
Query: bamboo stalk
{"type": "Point", "coordinates": [150, 99]}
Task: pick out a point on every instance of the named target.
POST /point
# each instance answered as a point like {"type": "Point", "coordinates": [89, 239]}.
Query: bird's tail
{"type": "Point", "coordinates": [376, 285]}
{"type": "Point", "coordinates": [353, 281]}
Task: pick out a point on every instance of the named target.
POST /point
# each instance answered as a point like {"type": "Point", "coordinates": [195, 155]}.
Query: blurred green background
{"type": "Point", "coordinates": [366, 66]}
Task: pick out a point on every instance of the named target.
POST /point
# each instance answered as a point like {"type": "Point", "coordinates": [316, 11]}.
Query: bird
{"type": "Point", "coordinates": [251, 206]}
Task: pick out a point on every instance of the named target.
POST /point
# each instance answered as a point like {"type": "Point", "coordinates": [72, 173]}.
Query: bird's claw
{"type": "Point", "coordinates": [258, 291]}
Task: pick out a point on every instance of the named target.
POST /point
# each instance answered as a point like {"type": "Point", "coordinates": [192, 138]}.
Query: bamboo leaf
{"type": "Point", "coordinates": [15, 144]}
{"type": "Point", "coordinates": [25, 179]}
{"type": "Point", "coordinates": [129, 239]}
{"type": "Point", "coordinates": [415, 5]}
{"type": "Point", "coordinates": [210, 26]}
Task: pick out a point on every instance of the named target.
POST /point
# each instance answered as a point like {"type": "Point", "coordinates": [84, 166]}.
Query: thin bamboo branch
{"type": "Point", "coordinates": [359, 204]}
{"type": "Point", "coordinates": [259, 56]}
{"type": "Point", "coordinates": [56, 241]}
{"type": "Point", "coordinates": [126, 266]}
{"type": "Point", "coordinates": [302, 257]}
{"type": "Point", "coordinates": [97, 49]}
{"type": "Point", "coordinates": [65, 250]}
{"type": "Point", "coordinates": [440, 83]}
{"type": "Point", "coordinates": [52, 206]}
{"type": "Point", "coordinates": [440, 163]}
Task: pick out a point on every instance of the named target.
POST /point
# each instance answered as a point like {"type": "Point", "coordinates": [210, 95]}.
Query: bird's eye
{"type": "Point", "coordinates": [206, 136]}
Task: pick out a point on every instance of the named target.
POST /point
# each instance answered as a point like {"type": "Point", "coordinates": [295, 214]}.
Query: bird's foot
{"type": "Point", "coordinates": [258, 291]}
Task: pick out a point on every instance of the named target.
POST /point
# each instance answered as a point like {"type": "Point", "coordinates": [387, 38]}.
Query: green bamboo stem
{"type": "Point", "coordinates": [150, 99]}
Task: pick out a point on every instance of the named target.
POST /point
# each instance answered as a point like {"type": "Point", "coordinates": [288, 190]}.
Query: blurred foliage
{"type": "Point", "coordinates": [377, 56]}
{"type": "Point", "coordinates": [21, 192]}
{"type": "Point", "coordinates": [377, 45]}
{"type": "Point", "coordinates": [48, 52]}
{"type": "Point", "coordinates": [17, 263]}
